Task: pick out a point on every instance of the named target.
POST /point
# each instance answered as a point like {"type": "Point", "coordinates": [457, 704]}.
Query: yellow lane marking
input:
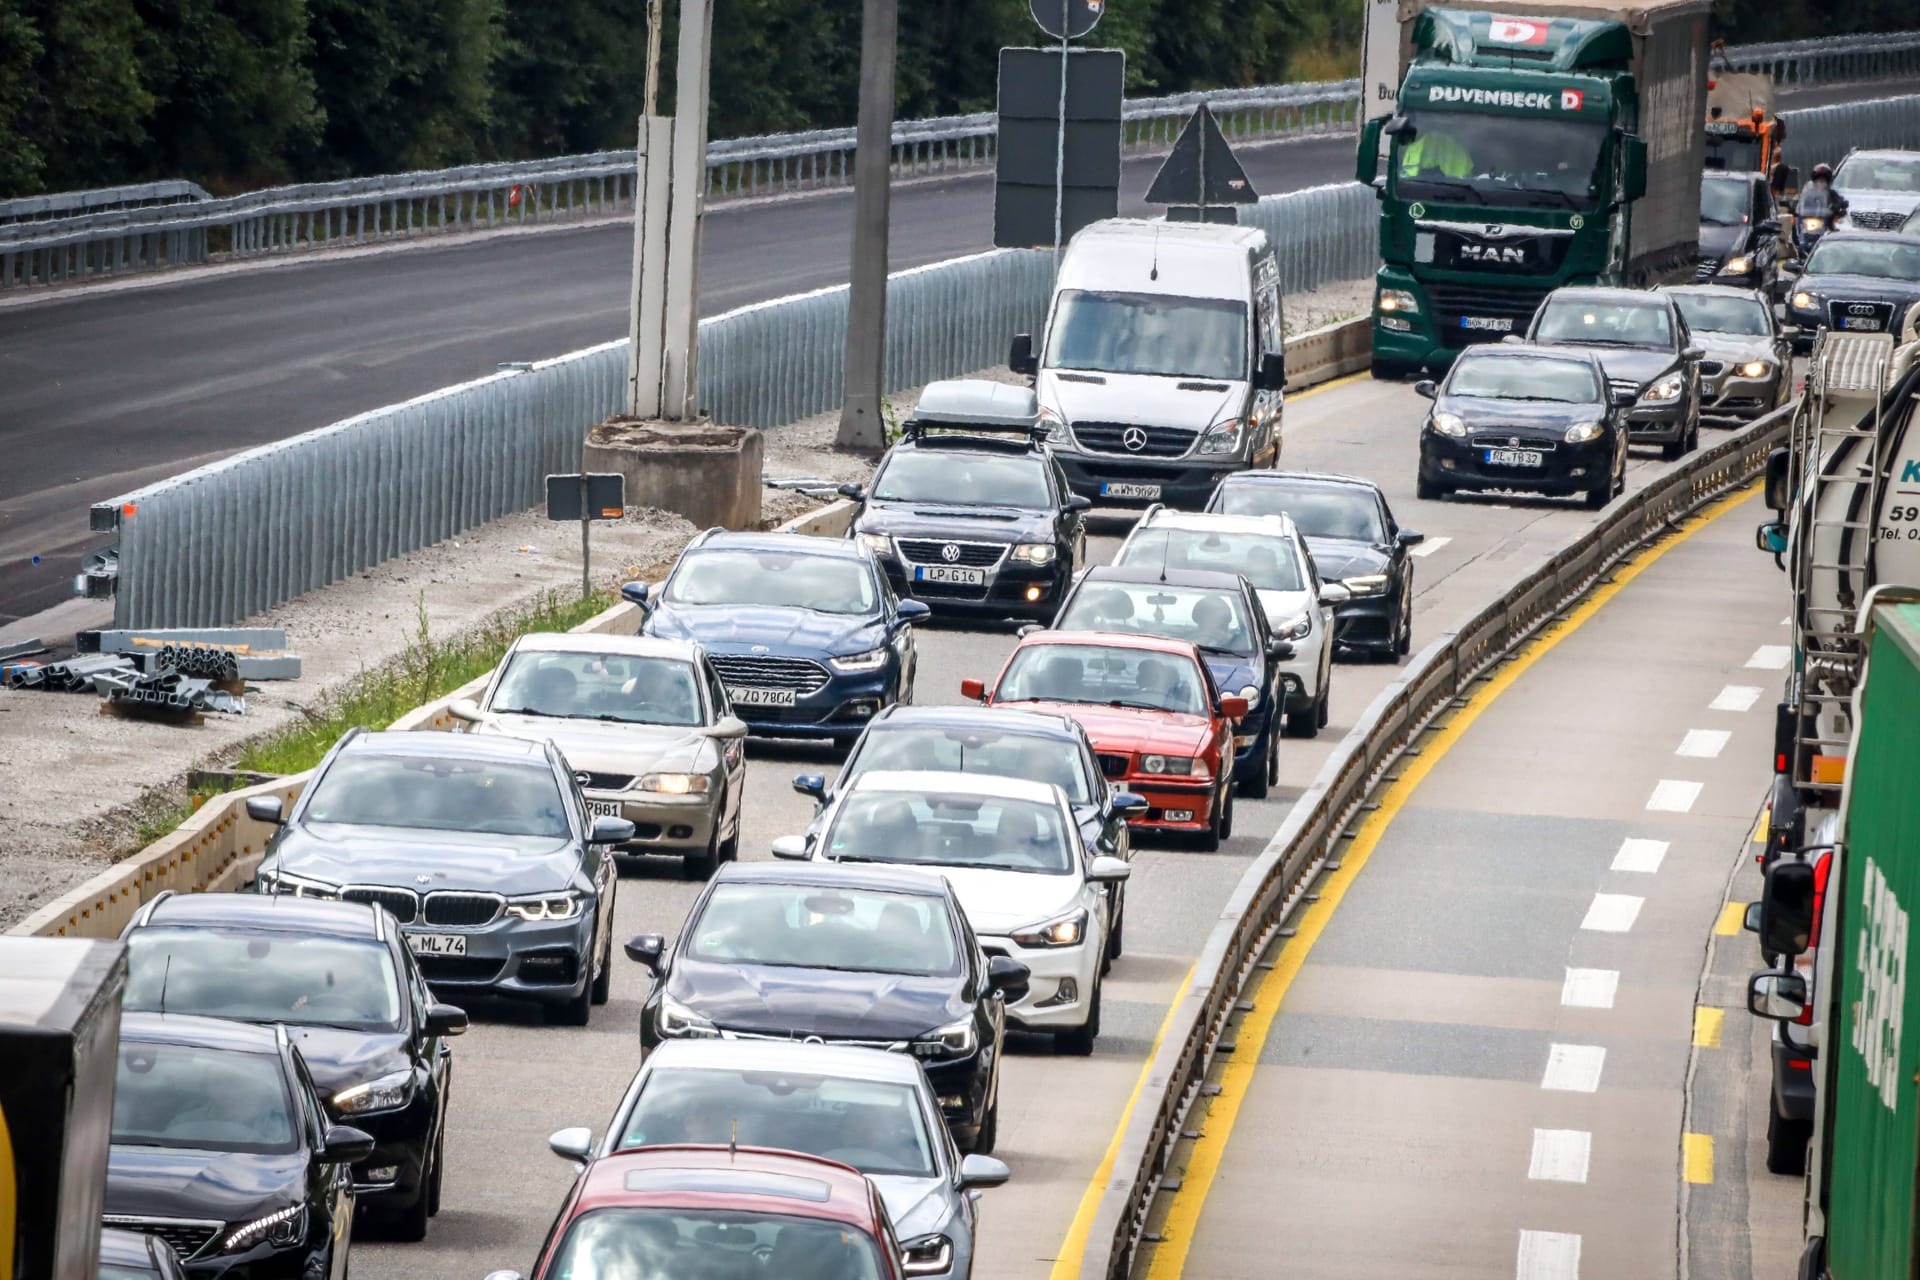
{"type": "Point", "coordinates": [1318, 387]}
{"type": "Point", "coordinates": [1706, 1027]}
{"type": "Point", "coordinates": [1696, 1156]}
{"type": "Point", "coordinates": [1760, 826]}
{"type": "Point", "coordinates": [1183, 1215]}
{"type": "Point", "coordinates": [1074, 1248]}
{"type": "Point", "coordinates": [1733, 918]}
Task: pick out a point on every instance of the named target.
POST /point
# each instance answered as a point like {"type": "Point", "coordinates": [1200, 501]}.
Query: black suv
{"type": "Point", "coordinates": [1645, 346]}
{"type": "Point", "coordinates": [974, 523]}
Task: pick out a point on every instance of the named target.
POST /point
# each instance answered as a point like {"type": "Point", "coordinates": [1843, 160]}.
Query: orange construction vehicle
{"type": "Point", "coordinates": [1743, 133]}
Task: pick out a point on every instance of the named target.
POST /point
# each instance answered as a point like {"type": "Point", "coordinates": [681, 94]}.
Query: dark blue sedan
{"type": "Point", "coordinates": [804, 632]}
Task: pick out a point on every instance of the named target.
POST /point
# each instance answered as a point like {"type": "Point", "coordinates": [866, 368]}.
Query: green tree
{"type": "Point", "coordinates": [571, 76]}
{"type": "Point", "coordinates": [20, 159]}
{"type": "Point", "coordinates": [88, 109]}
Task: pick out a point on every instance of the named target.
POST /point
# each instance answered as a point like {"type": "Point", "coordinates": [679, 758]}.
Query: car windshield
{"type": "Point", "coordinates": [1709, 313]}
{"type": "Point", "coordinates": [615, 687]}
{"type": "Point", "coordinates": [777, 579]}
{"type": "Point", "coordinates": [821, 927]}
{"type": "Point", "coordinates": [1498, 160]}
{"type": "Point", "coordinates": [1104, 675]}
{"type": "Point", "coordinates": [1881, 259]}
{"type": "Point", "coordinates": [1723, 203]}
{"type": "Point", "coordinates": [1344, 512]}
{"type": "Point", "coordinates": [1607, 324]}
{"type": "Point", "coordinates": [876, 1126]}
{"type": "Point", "coordinates": [1270, 561]}
{"type": "Point", "coordinates": [946, 830]}
{"type": "Point", "coordinates": [1898, 174]}
{"type": "Point", "coordinates": [953, 478]}
{"type": "Point", "coordinates": [189, 1096]}
{"type": "Point", "coordinates": [646, 1244]}
{"type": "Point", "coordinates": [1728, 152]}
{"type": "Point", "coordinates": [992, 752]}
{"type": "Point", "coordinates": [1208, 617]}
{"type": "Point", "coordinates": [1149, 333]}
{"type": "Point", "coordinates": [491, 797]}
{"type": "Point", "coordinates": [263, 977]}
{"type": "Point", "coordinates": [1523, 378]}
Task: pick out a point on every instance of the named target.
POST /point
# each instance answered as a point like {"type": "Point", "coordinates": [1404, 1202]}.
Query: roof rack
{"type": "Point", "coordinates": [973, 407]}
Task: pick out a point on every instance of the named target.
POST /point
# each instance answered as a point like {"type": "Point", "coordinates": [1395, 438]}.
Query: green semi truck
{"type": "Point", "coordinates": [1531, 144]}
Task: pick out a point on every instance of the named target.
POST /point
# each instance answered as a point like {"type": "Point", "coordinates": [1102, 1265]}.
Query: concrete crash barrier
{"type": "Point", "coordinates": [220, 847]}
{"type": "Point", "coordinates": [1334, 351]}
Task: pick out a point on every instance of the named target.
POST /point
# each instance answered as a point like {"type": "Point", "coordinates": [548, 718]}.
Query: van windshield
{"type": "Point", "coordinates": [1149, 333]}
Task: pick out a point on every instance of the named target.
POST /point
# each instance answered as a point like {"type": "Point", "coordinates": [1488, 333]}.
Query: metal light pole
{"type": "Point", "coordinates": [861, 426]}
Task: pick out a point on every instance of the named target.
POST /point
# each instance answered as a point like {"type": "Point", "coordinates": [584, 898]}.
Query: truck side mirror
{"type": "Point", "coordinates": [1020, 356]}
{"type": "Point", "coordinates": [1786, 908]}
{"type": "Point", "coordinates": [1366, 162]}
{"type": "Point", "coordinates": [1771, 538]}
{"type": "Point", "coordinates": [1779, 487]}
{"type": "Point", "coordinates": [1633, 167]}
{"type": "Point", "coordinates": [1272, 375]}
{"type": "Point", "coordinates": [1779, 996]}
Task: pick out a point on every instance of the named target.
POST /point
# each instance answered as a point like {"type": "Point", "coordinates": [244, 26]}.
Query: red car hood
{"type": "Point", "coordinates": [1173, 733]}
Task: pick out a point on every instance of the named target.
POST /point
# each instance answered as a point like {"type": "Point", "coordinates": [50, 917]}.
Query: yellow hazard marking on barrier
{"type": "Point", "coordinates": [1696, 1157]}
{"type": "Point", "coordinates": [1706, 1027]}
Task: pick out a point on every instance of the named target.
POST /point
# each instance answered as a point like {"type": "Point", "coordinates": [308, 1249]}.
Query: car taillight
{"type": "Point", "coordinates": [1800, 1064]}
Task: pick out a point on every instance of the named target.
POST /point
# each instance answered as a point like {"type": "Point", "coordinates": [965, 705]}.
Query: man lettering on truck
{"type": "Point", "coordinates": [1435, 152]}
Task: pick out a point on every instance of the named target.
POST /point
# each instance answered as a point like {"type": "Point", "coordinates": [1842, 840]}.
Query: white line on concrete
{"type": "Point", "coordinates": [1703, 744]}
{"type": "Point", "coordinates": [1672, 796]}
{"type": "Point", "coordinates": [1548, 1255]}
{"type": "Point", "coordinates": [1770, 657]}
{"type": "Point", "coordinates": [1574, 1068]}
{"type": "Point", "coordinates": [1736, 697]}
{"type": "Point", "coordinates": [1560, 1155]}
{"type": "Point", "coordinates": [1640, 855]}
{"type": "Point", "coordinates": [1589, 988]}
{"type": "Point", "coordinates": [1612, 913]}
{"type": "Point", "coordinates": [1430, 546]}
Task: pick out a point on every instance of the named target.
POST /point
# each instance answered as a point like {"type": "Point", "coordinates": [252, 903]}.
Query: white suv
{"type": "Point", "coordinates": [1270, 553]}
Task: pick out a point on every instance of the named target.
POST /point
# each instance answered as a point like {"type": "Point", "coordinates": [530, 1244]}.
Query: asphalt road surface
{"type": "Point", "coordinates": [109, 389]}
{"type": "Point", "coordinates": [516, 1081]}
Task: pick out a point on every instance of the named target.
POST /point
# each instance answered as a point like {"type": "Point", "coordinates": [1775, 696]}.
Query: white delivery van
{"type": "Point", "coordinates": [1162, 363]}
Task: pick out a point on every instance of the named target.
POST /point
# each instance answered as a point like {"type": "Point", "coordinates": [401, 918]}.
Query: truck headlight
{"type": "Point", "coordinates": [545, 907]}
{"type": "Point", "coordinates": [1366, 584]}
{"type": "Point", "coordinates": [675, 1021]}
{"type": "Point", "coordinates": [1737, 266]}
{"type": "Point", "coordinates": [384, 1094]}
{"type": "Point", "coordinates": [1803, 301]}
{"type": "Point", "coordinates": [1669, 388]}
{"type": "Point", "coordinates": [675, 784]}
{"type": "Point", "coordinates": [1222, 437]}
{"type": "Point", "coordinates": [1034, 552]}
{"type": "Point", "coordinates": [1581, 432]}
{"type": "Point", "coordinates": [1061, 931]}
{"type": "Point", "coordinates": [1449, 424]}
{"type": "Point", "coordinates": [1755, 369]}
{"type": "Point", "coordinates": [1401, 300]}
{"type": "Point", "coordinates": [878, 543]}
{"type": "Point", "coordinates": [871, 660]}
{"type": "Point", "coordinates": [1175, 766]}
{"type": "Point", "coordinates": [955, 1040]}
{"type": "Point", "coordinates": [279, 1229]}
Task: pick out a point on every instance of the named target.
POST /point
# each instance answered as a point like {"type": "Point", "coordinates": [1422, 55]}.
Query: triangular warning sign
{"type": "Point", "coordinates": [1202, 169]}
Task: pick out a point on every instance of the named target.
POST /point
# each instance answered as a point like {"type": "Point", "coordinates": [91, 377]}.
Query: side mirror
{"type": "Point", "coordinates": [635, 593]}
{"type": "Point", "coordinates": [1633, 167]}
{"type": "Point", "coordinates": [1789, 331]}
{"type": "Point", "coordinates": [728, 727]}
{"type": "Point", "coordinates": [1272, 374]}
{"type": "Point", "coordinates": [792, 848]}
{"type": "Point", "coordinates": [1426, 389]}
{"type": "Point", "coordinates": [647, 950]}
{"type": "Point", "coordinates": [1335, 593]}
{"type": "Point", "coordinates": [505, 1275]}
{"type": "Point", "coordinates": [266, 809]}
{"type": "Point", "coordinates": [1409, 537]}
{"type": "Point", "coordinates": [1786, 908]}
{"type": "Point", "coordinates": [1020, 355]}
{"type": "Point", "coordinates": [1026, 629]}
{"type": "Point", "coordinates": [1398, 126]}
{"type": "Point", "coordinates": [912, 610]}
{"type": "Point", "coordinates": [574, 1144]}
{"type": "Point", "coordinates": [610, 831]}
{"type": "Point", "coordinates": [975, 690]}
{"type": "Point", "coordinates": [1779, 996]}
{"type": "Point", "coordinates": [1779, 486]}
{"type": "Point", "coordinates": [1366, 161]}
{"type": "Point", "coordinates": [1693, 353]}
{"type": "Point", "coordinates": [1621, 398]}
{"type": "Point", "coordinates": [857, 492]}
{"type": "Point", "coordinates": [1078, 502]}
{"type": "Point", "coordinates": [1128, 803]}
{"type": "Point", "coordinates": [466, 709]}
{"type": "Point", "coordinates": [1278, 649]}
{"type": "Point", "coordinates": [1771, 538]}
{"type": "Point", "coordinates": [1514, 339]}
{"type": "Point", "coordinates": [445, 1020]}
{"type": "Point", "coordinates": [1233, 706]}
{"type": "Point", "coordinates": [1008, 976]}
{"type": "Point", "coordinates": [811, 784]}
{"type": "Point", "coordinates": [982, 1171]}
{"type": "Point", "coordinates": [345, 1144]}
{"type": "Point", "coordinates": [1768, 226]}
{"type": "Point", "coordinates": [1751, 920]}
{"type": "Point", "coordinates": [1109, 870]}
{"type": "Point", "coordinates": [1790, 268]}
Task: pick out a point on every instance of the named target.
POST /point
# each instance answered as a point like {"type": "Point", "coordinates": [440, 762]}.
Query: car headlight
{"type": "Point", "coordinates": [1812, 224]}
{"type": "Point", "coordinates": [1671, 387]}
{"type": "Point", "coordinates": [298, 886]}
{"type": "Point", "coordinates": [878, 543]}
{"type": "Point", "coordinates": [675, 784]}
{"type": "Point", "coordinates": [1034, 552]}
{"type": "Point", "coordinates": [955, 1040]}
{"type": "Point", "coordinates": [1069, 930]}
{"type": "Point", "coordinates": [1803, 301]}
{"type": "Point", "coordinates": [1366, 584]}
{"type": "Point", "coordinates": [1400, 300]}
{"type": "Point", "coordinates": [1295, 628]}
{"type": "Point", "coordinates": [546, 906]}
{"type": "Point", "coordinates": [1222, 437]}
{"type": "Point", "coordinates": [1252, 695]}
{"type": "Point", "coordinates": [1755, 369]}
{"type": "Point", "coordinates": [676, 1021]}
{"type": "Point", "coordinates": [926, 1255]}
{"type": "Point", "coordinates": [1055, 424]}
{"type": "Point", "coordinates": [1737, 266]}
{"type": "Point", "coordinates": [1173, 765]}
{"type": "Point", "coordinates": [384, 1094]}
{"type": "Point", "coordinates": [286, 1227]}
{"type": "Point", "coordinates": [1449, 424]}
{"type": "Point", "coordinates": [871, 660]}
{"type": "Point", "coordinates": [1581, 432]}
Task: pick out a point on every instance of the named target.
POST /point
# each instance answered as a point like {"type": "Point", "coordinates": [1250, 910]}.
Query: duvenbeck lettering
{"type": "Point", "coordinates": [1502, 98]}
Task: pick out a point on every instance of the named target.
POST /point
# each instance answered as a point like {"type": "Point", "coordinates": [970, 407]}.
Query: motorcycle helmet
{"type": "Point", "coordinates": [1823, 171]}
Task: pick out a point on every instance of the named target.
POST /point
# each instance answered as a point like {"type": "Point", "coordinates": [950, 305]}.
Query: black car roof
{"type": "Point", "coordinates": [275, 912]}
{"type": "Point", "coordinates": [956, 442]}
{"type": "Point", "coordinates": [1172, 577]}
{"type": "Point", "coordinates": [464, 746]}
{"type": "Point", "coordinates": [190, 1029]}
{"type": "Point", "coordinates": [1029, 724]}
{"type": "Point", "coordinates": [833, 875]}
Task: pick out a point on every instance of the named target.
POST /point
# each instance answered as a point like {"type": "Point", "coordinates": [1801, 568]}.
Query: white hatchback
{"type": "Point", "coordinates": [1270, 554]}
{"type": "Point", "coordinates": [1013, 854]}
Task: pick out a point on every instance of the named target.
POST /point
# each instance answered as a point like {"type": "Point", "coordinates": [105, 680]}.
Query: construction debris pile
{"type": "Point", "coordinates": [163, 674]}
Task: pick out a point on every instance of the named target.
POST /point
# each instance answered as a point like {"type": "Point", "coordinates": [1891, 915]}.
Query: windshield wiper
{"type": "Point", "coordinates": [1451, 184]}
{"type": "Point", "coordinates": [529, 711]}
{"type": "Point", "coordinates": [1136, 706]}
{"type": "Point", "coordinates": [1230, 653]}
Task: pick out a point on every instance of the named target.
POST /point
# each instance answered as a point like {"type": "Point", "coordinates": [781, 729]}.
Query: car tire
{"type": "Point", "coordinates": [1673, 449]}
{"type": "Point", "coordinates": [1387, 370]}
{"type": "Point", "coordinates": [1403, 642]}
{"type": "Point", "coordinates": [1256, 787]}
{"type": "Point", "coordinates": [1322, 714]}
{"type": "Point", "coordinates": [1599, 493]}
{"type": "Point", "coordinates": [701, 866]}
{"type": "Point", "coordinates": [1078, 1043]}
{"type": "Point", "coordinates": [1226, 816]}
{"type": "Point", "coordinates": [577, 1012]}
{"type": "Point", "coordinates": [439, 1167]}
{"type": "Point", "coordinates": [601, 987]}
{"type": "Point", "coordinates": [1429, 490]}
{"type": "Point", "coordinates": [1304, 723]}
{"type": "Point", "coordinates": [989, 1134]}
{"type": "Point", "coordinates": [1210, 839]}
{"type": "Point", "coordinates": [1116, 941]}
{"type": "Point", "coordinates": [409, 1225]}
{"type": "Point", "coordinates": [1787, 1143]}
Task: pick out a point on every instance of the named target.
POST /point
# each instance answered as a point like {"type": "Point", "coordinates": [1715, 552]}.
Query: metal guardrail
{"type": "Point", "coordinates": [1443, 672]}
{"type": "Point", "coordinates": [1829, 59]}
{"type": "Point", "coordinates": [1816, 134]}
{"type": "Point", "coordinates": [62, 204]}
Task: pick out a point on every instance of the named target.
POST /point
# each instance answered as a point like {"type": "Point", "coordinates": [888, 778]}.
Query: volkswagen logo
{"type": "Point", "coordinates": [760, 648]}
{"type": "Point", "coordinates": [950, 553]}
{"type": "Point", "coordinates": [1860, 308]}
{"type": "Point", "coordinates": [1135, 438]}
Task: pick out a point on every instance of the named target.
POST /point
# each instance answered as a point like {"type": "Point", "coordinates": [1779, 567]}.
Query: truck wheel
{"type": "Point", "coordinates": [1388, 370]}
{"type": "Point", "coordinates": [1787, 1143]}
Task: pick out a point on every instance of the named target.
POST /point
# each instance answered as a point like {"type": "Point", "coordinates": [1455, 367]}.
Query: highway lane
{"type": "Point", "coordinates": [109, 388]}
{"type": "Point", "coordinates": [517, 1081]}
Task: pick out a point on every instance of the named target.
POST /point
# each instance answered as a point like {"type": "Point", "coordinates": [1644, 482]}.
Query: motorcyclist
{"type": "Point", "coordinates": [1818, 199]}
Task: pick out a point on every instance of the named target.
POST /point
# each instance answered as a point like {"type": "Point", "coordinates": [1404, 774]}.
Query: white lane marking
{"type": "Point", "coordinates": [1612, 913]}
{"type": "Point", "coordinates": [1548, 1255]}
{"type": "Point", "coordinates": [1589, 988]}
{"type": "Point", "coordinates": [1736, 697]}
{"type": "Point", "coordinates": [1560, 1155]}
{"type": "Point", "coordinates": [1703, 744]}
{"type": "Point", "coordinates": [1574, 1068]}
{"type": "Point", "coordinates": [1770, 657]}
{"type": "Point", "coordinates": [1430, 546]}
{"type": "Point", "coordinates": [1787, 621]}
{"type": "Point", "coordinates": [1672, 796]}
{"type": "Point", "coordinates": [1640, 855]}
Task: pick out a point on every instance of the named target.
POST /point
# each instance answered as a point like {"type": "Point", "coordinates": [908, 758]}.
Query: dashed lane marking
{"type": "Point", "coordinates": [1643, 856]}
{"type": "Point", "coordinates": [1703, 744]}
{"type": "Point", "coordinates": [1612, 913]}
{"type": "Point", "coordinates": [1706, 1026]}
{"type": "Point", "coordinates": [1590, 988]}
{"type": "Point", "coordinates": [1430, 546]}
{"type": "Point", "coordinates": [1574, 1068]}
{"type": "Point", "coordinates": [1670, 795]}
{"type": "Point", "coordinates": [1560, 1155]}
{"type": "Point", "coordinates": [1736, 697]}
{"type": "Point", "coordinates": [1548, 1255]}
{"type": "Point", "coordinates": [1770, 657]}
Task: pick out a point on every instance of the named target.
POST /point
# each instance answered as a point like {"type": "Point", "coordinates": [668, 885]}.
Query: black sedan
{"type": "Point", "coordinates": [480, 846]}
{"type": "Point", "coordinates": [1539, 419]}
{"type": "Point", "coordinates": [1354, 540]}
{"type": "Point", "coordinates": [219, 1149]}
{"type": "Point", "coordinates": [1855, 282]}
{"type": "Point", "coordinates": [338, 976]}
{"type": "Point", "coordinates": [853, 955]}
{"type": "Point", "coordinates": [1739, 231]}
{"type": "Point", "coordinates": [1644, 345]}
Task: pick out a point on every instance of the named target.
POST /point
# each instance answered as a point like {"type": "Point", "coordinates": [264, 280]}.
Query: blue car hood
{"type": "Point", "coordinates": [736, 628]}
{"type": "Point", "coordinates": [1230, 674]}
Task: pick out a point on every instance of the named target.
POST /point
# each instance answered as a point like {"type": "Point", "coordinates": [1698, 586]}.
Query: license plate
{"type": "Point", "coordinates": [437, 944]}
{"type": "Point", "coordinates": [1870, 323]}
{"type": "Point", "coordinates": [949, 573]}
{"type": "Point", "coordinates": [604, 809]}
{"type": "Point", "coordinates": [1130, 491]}
{"type": "Point", "coordinates": [1514, 458]}
{"type": "Point", "coordinates": [1178, 815]}
{"type": "Point", "coordinates": [760, 697]}
{"type": "Point", "coordinates": [1493, 324]}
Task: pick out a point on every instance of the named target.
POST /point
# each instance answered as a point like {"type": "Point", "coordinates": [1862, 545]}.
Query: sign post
{"type": "Point", "coordinates": [586, 497]}
{"type": "Point", "coordinates": [1075, 19]}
